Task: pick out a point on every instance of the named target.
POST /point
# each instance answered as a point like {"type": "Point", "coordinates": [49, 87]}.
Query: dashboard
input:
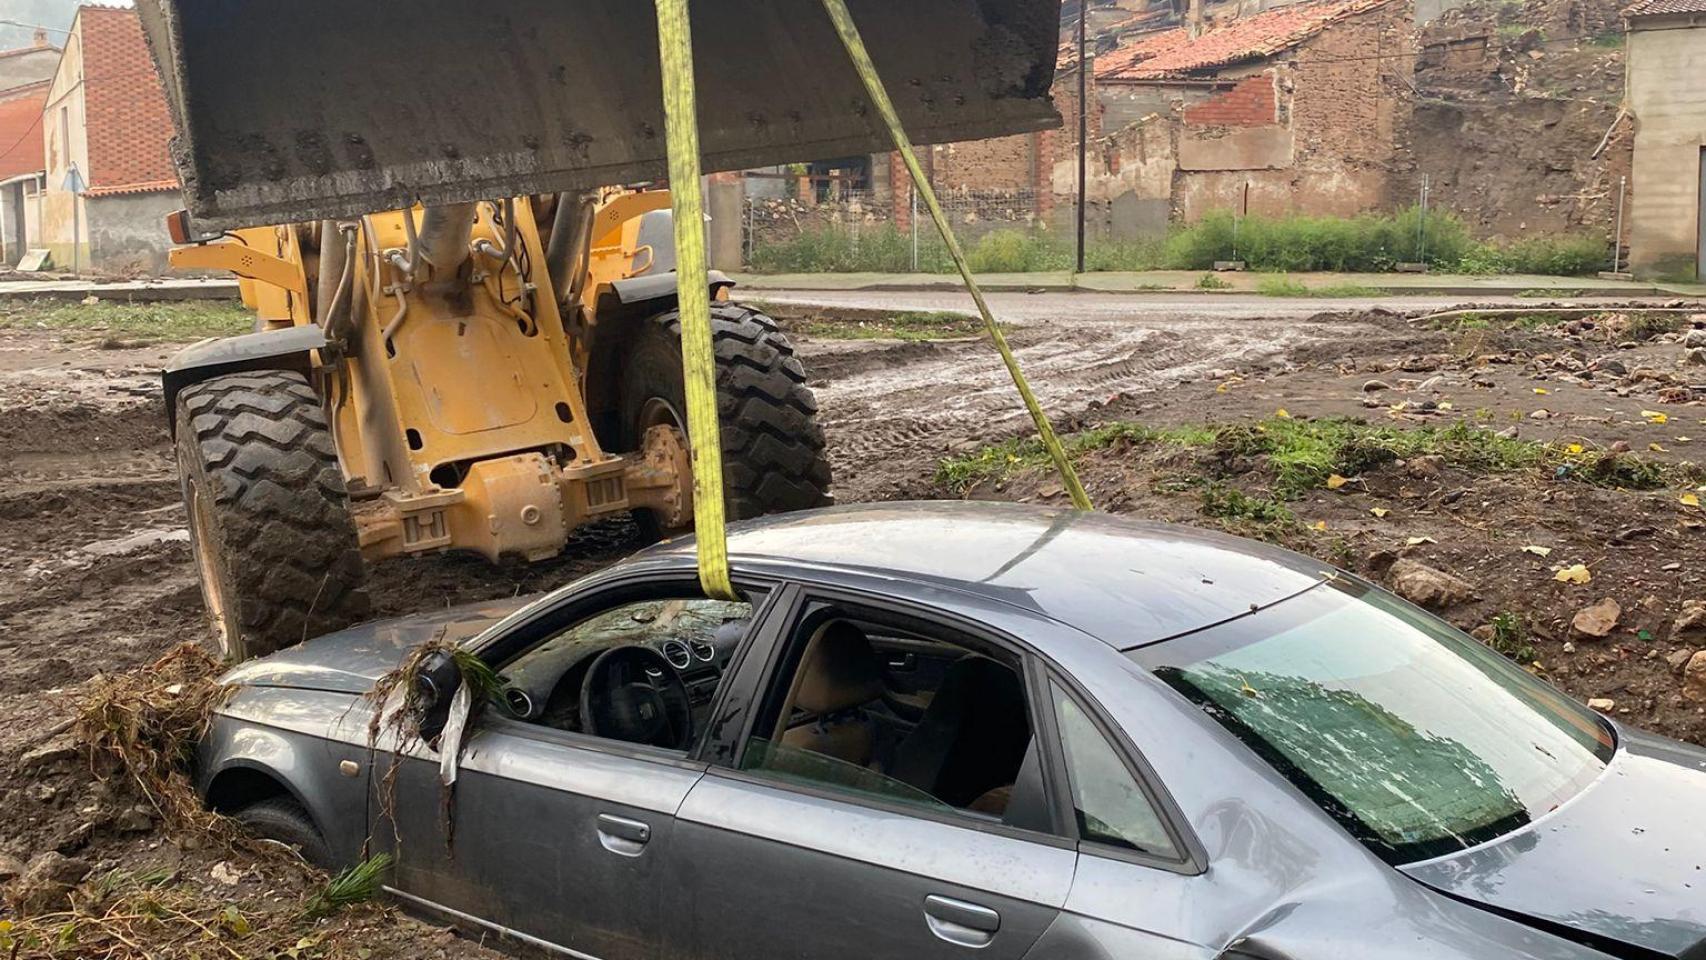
{"type": "Point", "coordinates": [544, 685]}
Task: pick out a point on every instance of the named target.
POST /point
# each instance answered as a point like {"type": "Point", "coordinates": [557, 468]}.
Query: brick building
{"type": "Point", "coordinates": [24, 75]}
{"type": "Point", "coordinates": [106, 118]}
{"type": "Point", "coordinates": [1305, 108]}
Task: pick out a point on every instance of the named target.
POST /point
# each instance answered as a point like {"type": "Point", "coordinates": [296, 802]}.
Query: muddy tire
{"type": "Point", "coordinates": [269, 521]}
{"type": "Point", "coordinates": [282, 819]}
{"type": "Point", "coordinates": [773, 449]}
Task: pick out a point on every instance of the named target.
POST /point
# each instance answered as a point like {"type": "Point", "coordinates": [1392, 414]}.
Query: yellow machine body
{"type": "Point", "coordinates": [457, 403]}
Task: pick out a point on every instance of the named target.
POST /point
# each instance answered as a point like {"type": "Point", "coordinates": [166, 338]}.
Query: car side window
{"type": "Point", "coordinates": [1109, 805]}
{"type": "Point", "coordinates": [643, 672]}
{"type": "Point", "coordinates": [899, 714]}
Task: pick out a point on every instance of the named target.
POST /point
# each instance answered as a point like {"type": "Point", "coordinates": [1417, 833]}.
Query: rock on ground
{"type": "Point", "coordinates": [1694, 678]}
{"type": "Point", "coordinates": [45, 883]}
{"type": "Point", "coordinates": [1423, 585]}
{"type": "Point", "coordinates": [1691, 622]}
{"type": "Point", "coordinates": [1597, 622]}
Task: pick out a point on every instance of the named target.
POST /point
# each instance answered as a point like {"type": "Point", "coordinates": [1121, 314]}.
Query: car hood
{"type": "Point", "coordinates": [349, 661]}
{"type": "Point", "coordinates": [1621, 867]}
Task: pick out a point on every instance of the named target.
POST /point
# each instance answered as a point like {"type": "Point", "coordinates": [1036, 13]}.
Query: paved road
{"type": "Point", "coordinates": [1024, 308]}
{"type": "Point", "coordinates": [151, 289]}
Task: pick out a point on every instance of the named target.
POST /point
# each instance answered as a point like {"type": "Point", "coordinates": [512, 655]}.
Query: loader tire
{"type": "Point", "coordinates": [269, 521]}
{"type": "Point", "coordinates": [773, 448]}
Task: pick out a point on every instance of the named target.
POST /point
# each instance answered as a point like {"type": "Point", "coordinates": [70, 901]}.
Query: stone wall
{"type": "Point", "coordinates": [127, 232]}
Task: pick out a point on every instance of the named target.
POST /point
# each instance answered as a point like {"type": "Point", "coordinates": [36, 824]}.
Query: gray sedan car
{"type": "Point", "coordinates": [933, 730]}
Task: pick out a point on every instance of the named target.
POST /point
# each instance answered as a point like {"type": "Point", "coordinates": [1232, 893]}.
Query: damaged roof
{"type": "Point", "coordinates": [1662, 8]}
{"type": "Point", "coordinates": [1173, 53]}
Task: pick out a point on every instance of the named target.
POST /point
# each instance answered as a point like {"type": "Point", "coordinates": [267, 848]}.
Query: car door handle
{"type": "Point", "coordinates": [959, 922]}
{"type": "Point", "coordinates": [622, 835]}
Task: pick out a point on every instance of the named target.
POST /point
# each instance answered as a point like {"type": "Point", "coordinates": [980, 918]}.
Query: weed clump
{"type": "Point", "coordinates": [1223, 502]}
{"type": "Point", "coordinates": [1510, 637]}
{"type": "Point", "coordinates": [144, 726]}
{"type": "Point", "coordinates": [1302, 454]}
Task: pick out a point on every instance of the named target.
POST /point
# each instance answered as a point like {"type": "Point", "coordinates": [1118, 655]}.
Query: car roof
{"type": "Point", "coordinates": [1124, 581]}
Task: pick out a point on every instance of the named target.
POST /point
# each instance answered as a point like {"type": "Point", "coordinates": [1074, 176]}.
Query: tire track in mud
{"type": "Point", "coordinates": [96, 574]}
{"type": "Point", "coordinates": [891, 412]}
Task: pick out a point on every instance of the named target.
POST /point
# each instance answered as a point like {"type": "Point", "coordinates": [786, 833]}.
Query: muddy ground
{"type": "Point", "coordinates": [96, 576]}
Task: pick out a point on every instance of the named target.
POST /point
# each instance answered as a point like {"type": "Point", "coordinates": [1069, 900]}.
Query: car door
{"type": "Point", "coordinates": [770, 862]}
{"type": "Point", "coordinates": [557, 841]}
{"type": "Point", "coordinates": [550, 835]}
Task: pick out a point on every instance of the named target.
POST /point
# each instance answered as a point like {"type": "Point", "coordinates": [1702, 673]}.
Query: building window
{"type": "Point", "coordinates": [65, 137]}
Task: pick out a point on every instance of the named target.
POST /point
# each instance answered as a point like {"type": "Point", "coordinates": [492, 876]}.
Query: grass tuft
{"type": "Point", "coordinates": [1369, 243]}
{"type": "Point", "coordinates": [1510, 637]}
{"type": "Point", "coordinates": [913, 325]}
{"type": "Point", "coordinates": [1223, 502]}
{"type": "Point", "coordinates": [1302, 454]}
{"type": "Point", "coordinates": [1280, 285]}
{"type": "Point", "coordinates": [357, 884]}
{"type": "Point", "coordinates": [164, 322]}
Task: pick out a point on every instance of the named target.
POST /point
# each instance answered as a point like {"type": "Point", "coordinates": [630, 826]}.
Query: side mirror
{"type": "Point", "coordinates": [435, 684]}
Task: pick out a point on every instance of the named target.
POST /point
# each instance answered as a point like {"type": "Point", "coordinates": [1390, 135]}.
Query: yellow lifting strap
{"type": "Point", "coordinates": [698, 360]}
{"type": "Point", "coordinates": [681, 130]}
{"type": "Point", "coordinates": [844, 26]}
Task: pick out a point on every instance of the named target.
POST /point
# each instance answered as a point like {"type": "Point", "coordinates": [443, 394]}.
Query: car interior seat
{"type": "Point", "coordinates": [838, 674]}
{"type": "Point", "coordinates": [968, 748]}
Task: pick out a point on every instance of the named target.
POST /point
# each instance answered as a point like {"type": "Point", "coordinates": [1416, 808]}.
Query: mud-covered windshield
{"type": "Point", "coordinates": [1418, 739]}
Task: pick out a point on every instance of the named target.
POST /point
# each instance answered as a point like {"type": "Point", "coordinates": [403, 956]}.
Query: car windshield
{"type": "Point", "coordinates": [1418, 739]}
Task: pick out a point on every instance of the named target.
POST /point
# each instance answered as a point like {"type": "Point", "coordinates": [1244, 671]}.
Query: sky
{"type": "Point", "coordinates": [53, 14]}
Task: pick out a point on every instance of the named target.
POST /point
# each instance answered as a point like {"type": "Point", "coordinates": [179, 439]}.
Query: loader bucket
{"type": "Point", "coordinates": [291, 110]}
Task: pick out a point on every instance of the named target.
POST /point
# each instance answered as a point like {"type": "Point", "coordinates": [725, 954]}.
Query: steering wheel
{"type": "Point", "coordinates": [633, 694]}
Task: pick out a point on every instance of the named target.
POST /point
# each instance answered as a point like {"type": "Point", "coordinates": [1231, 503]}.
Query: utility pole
{"type": "Point", "coordinates": [1617, 237]}
{"type": "Point", "coordinates": [75, 186]}
{"type": "Point", "coordinates": [1083, 123]}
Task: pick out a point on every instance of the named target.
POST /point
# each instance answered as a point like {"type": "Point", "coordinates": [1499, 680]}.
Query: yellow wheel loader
{"type": "Point", "coordinates": [465, 340]}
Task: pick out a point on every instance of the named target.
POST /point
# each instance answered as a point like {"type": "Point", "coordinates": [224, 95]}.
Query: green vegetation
{"type": "Point", "coordinates": [1370, 243]}
{"type": "Point", "coordinates": [1001, 460]}
{"type": "Point", "coordinates": [1510, 637]}
{"type": "Point", "coordinates": [1301, 455]}
{"type": "Point", "coordinates": [1229, 503]}
{"type": "Point", "coordinates": [1620, 324]}
{"type": "Point", "coordinates": [1365, 244]}
{"type": "Point", "coordinates": [167, 321]}
{"type": "Point", "coordinates": [1347, 290]}
{"type": "Point", "coordinates": [1475, 320]}
{"type": "Point", "coordinates": [1280, 285]}
{"type": "Point", "coordinates": [1563, 256]}
{"type": "Point", "coordinates": [1209, 281]}
{"type": "Point", "coordinates": [357, 884]}
{"type": "Point", "coordinates": [908, 325]}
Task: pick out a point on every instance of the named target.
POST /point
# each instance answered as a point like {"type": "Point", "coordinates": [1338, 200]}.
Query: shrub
{"type": "Point", "coordinates": [1369, 243]}
{"type": "Point", "coordinates": [1280, 285]}
{"type": "Point", "coordinates": [1568, 255]}
{"type": "Point", "coordinates": [1018, 251]}
{"type": "Point", "coordinates": [875, 249]}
